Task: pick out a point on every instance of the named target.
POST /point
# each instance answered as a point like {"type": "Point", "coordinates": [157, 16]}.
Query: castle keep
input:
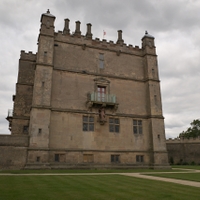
{"type": "Point", "coordinates": [85, 103]}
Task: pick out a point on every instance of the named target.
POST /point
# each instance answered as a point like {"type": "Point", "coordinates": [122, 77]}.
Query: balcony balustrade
{"type": "Point", "coordinates": [104, 100]}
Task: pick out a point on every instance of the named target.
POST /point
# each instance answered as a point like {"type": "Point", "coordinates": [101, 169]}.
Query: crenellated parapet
{"type": "Point", "coordinates": [77, 38]}
{"type": "Point", "coordinates": [183, 140]}
{"type": "Point", "coordinates": [84, 42]}
{"type": "Point", "coordinates": [27, 56]}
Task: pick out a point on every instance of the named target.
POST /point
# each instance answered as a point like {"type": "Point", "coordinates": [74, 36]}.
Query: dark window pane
{"type": "Point", "coordinates": [112, 158]}
{"type": "Point", "coordinates": [85, 119]}
{"type": "Point", "coordinates": [140, 130]}
{"type": "Point", "coordinates": [142, 158]}
{"type": "Point", "coordinates": [137, 158]}
{"type": "Point", "coordinates": [56, 157]}
{"type": "Point", "coordinates": [91, 119]}
{"type": "Point", "coordinates": [139, 122]}
{"type": "Point", "coordinates": [85, 127]}
{"type": "Point", "coordinates": [135, 129]}
{"type": "Point", "coordinates": [134, 122]}
{"type": "Point", "coordinates": [91, 127]}
{"type": "Point", "coordinates": [111, 127]}
{"type": "Point", "coordinates": [116, 121]}
{"type": "Point", "coordinates": [117, 158]}
{"type": "Point", "coordinates": [111, 120]}
{"type": "Point", "coordinates": [117, 128]}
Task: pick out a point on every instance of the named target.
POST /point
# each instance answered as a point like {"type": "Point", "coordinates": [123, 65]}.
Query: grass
{"type": "Point", "coordinates": [104, 187]}
{"type": "Point", "coordinates": [182, 176]}
{"type": "Point", "coordinates": [85, 171]}
{"type": "Point", "coordinates": [187, 166]}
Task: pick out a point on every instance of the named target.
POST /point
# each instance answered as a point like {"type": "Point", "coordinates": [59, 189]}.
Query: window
{"type": "Point", "coordinates": [59, 157]}
{"type": "Point", "coordinates": [25, 129]}
{"type": "Point", "coordinates": [137, 126]}
{"type": "Point", "coordinates": [88, 158]}
{"type": "Point", "coordinates": [101, 61]}
{"type": "Point", "coordinates": [88, 123]}
{"type": "Point", "coordinates": [39, 130]}
{"type": "Point", "coordinates": [115, 158]}
{"type": "Point", "coordinates": [101, 93]}
{"type": "Point", "coordinates": [114, 125]}
{"type": "Point", "coordinates": [139, 158]}
{"type": "Point", "coordinates": [37, 159]}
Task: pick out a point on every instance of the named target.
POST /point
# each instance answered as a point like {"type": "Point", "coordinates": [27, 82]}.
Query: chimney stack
{"type": "Point", "coordinates": [66, 29]}
{"type": "Point", "coordinates": [120, 40]}
{"type": "Point", "coordinates": [89, 34]}
{"type": "Point", "coordinates": [77, 31]}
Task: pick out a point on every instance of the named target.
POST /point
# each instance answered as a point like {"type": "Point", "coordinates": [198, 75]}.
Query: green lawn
{"type": "Point", "coordinates": [106, 187]}
{"type": "Point", "coordinates": [85, 171]}
{"type": "Point", "coordinates": [183, 176]}
{"type": "Point", "coordinates": [187, 166]}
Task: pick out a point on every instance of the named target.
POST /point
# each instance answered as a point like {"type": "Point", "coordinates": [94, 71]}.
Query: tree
{"type": "Point", "coordinates": [193, 131]}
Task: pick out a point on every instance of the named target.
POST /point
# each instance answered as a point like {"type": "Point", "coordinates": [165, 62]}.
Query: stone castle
{"type": "Point", "coordinates": [85, 103]}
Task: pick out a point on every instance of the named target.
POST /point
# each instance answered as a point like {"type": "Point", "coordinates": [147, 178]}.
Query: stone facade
{"type": "Point", "coordinates": [86, 103]}
{"type": "Point", "coordinates": [183, 150]}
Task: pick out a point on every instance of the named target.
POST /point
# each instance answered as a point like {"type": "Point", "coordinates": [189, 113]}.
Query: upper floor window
{"type": "Point", "coordinates": [88, 123]}
{"type": "Point", "coordinates": [101, 93]}
{"type": "Point", "coordinates": [114, 125]}
{"type": "Point", "coordinates": [137, 126]}
{"type": "Point", "coordinates": [101, 61]}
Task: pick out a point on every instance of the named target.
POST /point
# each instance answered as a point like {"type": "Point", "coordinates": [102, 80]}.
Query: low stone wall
{"type": "Point", "coordinates": [14, 140]}
{"type": "Point", "coordinates": [13, 151]}
{"type": "Point", "coordinates": [183, 151]}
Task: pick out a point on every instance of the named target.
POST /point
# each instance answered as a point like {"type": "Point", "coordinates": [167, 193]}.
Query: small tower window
{"type": "Point", "coordinates": [101, 61]}
{"type": "Point", "coordinates": [39, 130]}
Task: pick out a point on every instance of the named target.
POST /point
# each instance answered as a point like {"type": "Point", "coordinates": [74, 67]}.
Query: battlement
{"type": "Point", "coordinates": [183, 140]}
{"type": "Point", "coordinates": [97, 43]}
{"type": "Point", "coordinates": [77, 38]}
{"type": "Point", "coordinates": [27, 56]}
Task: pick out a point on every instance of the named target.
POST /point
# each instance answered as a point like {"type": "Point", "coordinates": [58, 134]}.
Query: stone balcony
{"type": "Point", "coordinates": [107, 100]}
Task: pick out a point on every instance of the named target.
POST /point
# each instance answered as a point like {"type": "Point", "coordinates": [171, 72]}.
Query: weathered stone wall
{"type": "Point", "coordinates": [184, 151]}
{"type": "Point", "coordinates": [13, 151]}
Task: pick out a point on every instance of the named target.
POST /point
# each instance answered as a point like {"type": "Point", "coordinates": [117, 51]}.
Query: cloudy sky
{"type": "Point", "coordinates": [174, 24]}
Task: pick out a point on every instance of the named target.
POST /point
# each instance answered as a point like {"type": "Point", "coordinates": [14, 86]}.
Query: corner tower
{"type": "Point", "coordinates": [41, 112]}
{"type": "Point", "coordinates": [158, 152]}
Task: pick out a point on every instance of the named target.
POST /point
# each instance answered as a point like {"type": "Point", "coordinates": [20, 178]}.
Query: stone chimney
{"type": "Point", "coordinates": [77, 31]}
{"type": "Point", "coordinates": [120, 40]}
{"type": "Point", "coordinates": [66, 29]}
{"type": "Point", "coordinates": [89, 34]}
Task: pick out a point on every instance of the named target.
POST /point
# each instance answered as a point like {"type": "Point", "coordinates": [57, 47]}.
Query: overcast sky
{"type": "Point", "coordinates": [174, 24]}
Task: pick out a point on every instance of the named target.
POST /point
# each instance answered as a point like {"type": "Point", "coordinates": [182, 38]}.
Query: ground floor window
{"type": "Point", "coordinates": [88, 158]}
{"type": "Point", "coordinates": [37, 159]}
{"type": "Point", "coordinates": [59, 157]}
{"type": "Point", "coordinates": [139, 158]}
{"type": "Point", "coordinates": [114, 125]}
{"type": "Point", "coordinates": [88, 123]}
{"type": "Point", "coordinates": [115, 158]}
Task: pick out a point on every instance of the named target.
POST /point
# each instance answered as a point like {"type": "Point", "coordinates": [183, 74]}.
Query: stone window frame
{"type": "Point", "coordinates": [115, 158]}
{"type": "Point", "coordinates": [114, 125]}
{"type": "Point", "coordinates": [59, 157]}
{"type": "Point", "coordinates": [137, 127]}
{"type": "Point", "coordinates": [87, 123]}
{"type": "Point", "coordinates": [102, 82]}
{"type": "Point", "coordinates": [25, 129]}
{"type": "Point", "coordinates": [139, 158]}
{"type": "Point", "coordinates": [101, 61]}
